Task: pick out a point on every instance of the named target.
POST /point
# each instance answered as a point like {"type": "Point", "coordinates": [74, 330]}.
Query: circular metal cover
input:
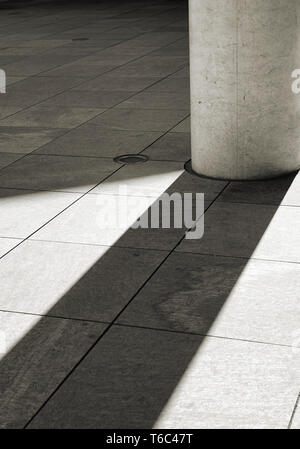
{"type": "Point", "coordinates": [131, 158]}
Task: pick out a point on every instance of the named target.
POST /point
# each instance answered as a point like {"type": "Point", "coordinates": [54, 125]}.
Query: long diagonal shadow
{"type": "Point", "coordinates": [69, 374]}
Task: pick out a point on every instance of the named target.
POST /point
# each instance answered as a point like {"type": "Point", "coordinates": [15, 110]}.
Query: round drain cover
{"type": "Point", "coordinates": [131, 158]}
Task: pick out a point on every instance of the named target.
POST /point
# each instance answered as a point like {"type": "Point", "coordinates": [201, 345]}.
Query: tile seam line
{"type": "Point", "coordinates": [13, 238]}
{"type": "Point", "coordinates": [238, 257]}
{"type": "Point", "coordinates": [136, 326]}
{"type": "Point", "coordinates": [144, 248]}
{"type": "Point", "coordinates": [175, 331]}
{"type": "Point", "coordinates": [164, 134]}
{"type": "Point", "coordinates": [90, 192]}
{"type": "Point", "coordinates": [103, 334]}
{"type": "Point", "coordinates": [53, 317]}
{"type": "Point", "coordinates": [60, 242]}
{"type": "Point", "coordinates": [296, 407]}
{"type": "Point", "coordinates": [294, 206]}
{"type": "Point", "coordinates": [255, 204]}
{"type": "Point", "coordinates": [32, 153]}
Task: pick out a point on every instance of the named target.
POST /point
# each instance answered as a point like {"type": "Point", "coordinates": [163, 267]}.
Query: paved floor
{"type": "Point", "coordinates": [111, 327]}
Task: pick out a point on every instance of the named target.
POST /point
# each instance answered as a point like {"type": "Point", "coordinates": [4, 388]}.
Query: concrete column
{"type": "Point", "coordinates": [245, 119]}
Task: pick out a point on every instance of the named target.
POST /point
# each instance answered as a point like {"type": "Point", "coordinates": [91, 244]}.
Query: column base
{"type": "Point", "coordinates": [188, 168]}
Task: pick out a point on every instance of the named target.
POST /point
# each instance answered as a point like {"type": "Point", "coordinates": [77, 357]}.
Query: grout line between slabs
{"type": "Point", "coordinates": [296, 406]}
{"type": "Point", "coordinates": [158, 329]}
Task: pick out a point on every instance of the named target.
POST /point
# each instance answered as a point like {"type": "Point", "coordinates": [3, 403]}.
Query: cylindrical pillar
{"type": "Point", "coordinates": [245, 118]}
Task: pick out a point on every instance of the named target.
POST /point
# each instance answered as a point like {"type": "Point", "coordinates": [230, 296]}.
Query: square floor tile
{"type": "Point", "coordinates": [44, 43]}
{"type": "Point", "coordinates": [14, 79]}
{"type": "Point", "coordinates": [112, 82]}
{"type": "Point", "coordinates": [25, 140]}
{"type": "Point", "coordinates": [35, 89]}
{"type": "Point", "coordinates": [182, 73]}
{"type": "Point", "coordinates": [148, 65]}
{"type": "Point", "coordinates": [88, 140]}
{"type": "Point", "coordinates": [234, 385]}
{"type": "Point", "coordinates": [5, 111]}
{"type": "Point", "coordinates": [7, 244]}
{"type": "Point", "coordinates": [8, 158]}
{"type": "Point", "coordinates": [95, 43]}
{"type": "Point", "coordinates": [284, 190]}
{"type": "Point", "coordinates": [40, 352]}
{"type": "Point", "coordinates": [106, 56]}
{"type": "Point", "coordinates": [154, 178]}
{"type": "Point", "coordinates": [126, 48]}
{"type": "Point", "coordinates": [183, 127]}
{"type": "Point", "coordinates": [21, 51]}
{"type": "Point", "coordinates": [172, 146]}
{"type": "Point", "coordinates": [249, 230]}
{"type": "Point", "coordinates": [51, 116]}
{"type": "Point", "coordinates": [163, 234]}
{"type": "Point", "coordinates": [175, 49]}
{"type": "Point", "coordinates": [120, 221]}
{"type": "Point", "coordinates": [171, 85]}
{"type": "Point", "coordinates": [150, 178]}
{"type": "Point", "coordinates": [80, 70]}
{"type": "Point", "coordinates": [96, 219]}
{"type": "Point", "coordinates": [33, 65]}
{"type": "Point", "coordinates": [139, 119]}
{"type": "Point", "coordinates": [161, 100]}
{"type": "Point", "coordinates": [169, 51]}
{"type": "Point", "coordinates": [24, 211]}
{"type": "Point", "coordinates": [88, 99]}
{"type": "Point", "coordinates": [257, 300]}
{"type": "Point", "coordinates": [186, 183]}
{"type": "Point", "coordinates": [123, 32]}
{"type": "Point", "coordinates": [85, 286]}
{"type": "Point", "coordinates": [70, 50]}
{"type": "Point", "coordinates": [141, 378]}
{"type": "Point", "coordinates": [71, 174]}
{"type": "Point", "coordinates": [155, 38]}
{"type": "Point", "coordinates": [6, 60]}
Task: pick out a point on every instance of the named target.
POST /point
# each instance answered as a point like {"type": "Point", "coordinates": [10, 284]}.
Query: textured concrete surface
{"type": "Point", "coordinates": [245, 117]}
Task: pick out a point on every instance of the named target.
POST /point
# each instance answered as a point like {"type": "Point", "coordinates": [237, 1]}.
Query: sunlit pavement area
{"type": "Point", "coordinates": [131, 328]}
